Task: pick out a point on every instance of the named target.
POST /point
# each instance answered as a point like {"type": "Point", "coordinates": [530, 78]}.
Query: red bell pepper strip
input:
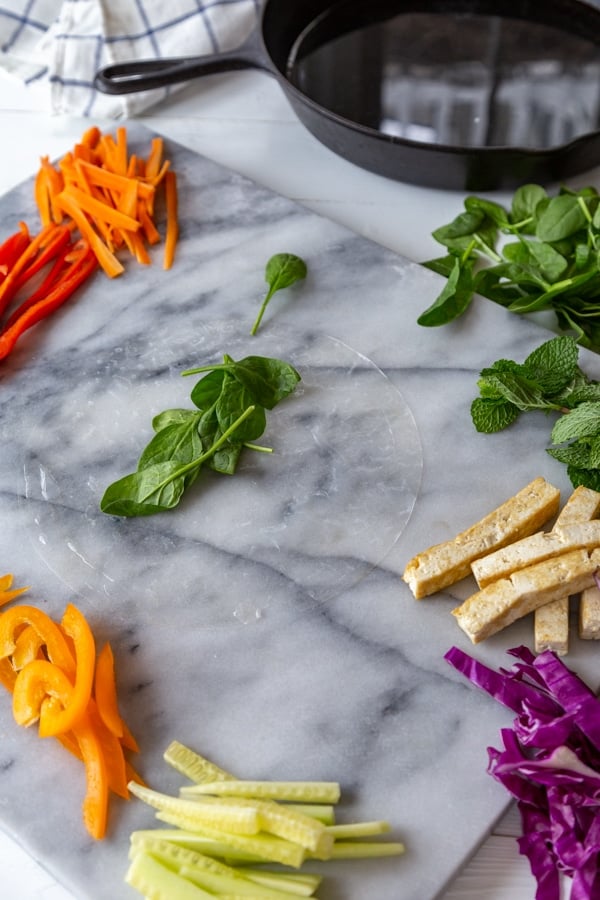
{"type": "Point", "coordinates": [10, 284]}
{"type": "Point", "coordinates": [12, 248]}
{"type": "Point", "coordinates": [29, 314]}
{"type": "Point", "coordinates": [59, 237]}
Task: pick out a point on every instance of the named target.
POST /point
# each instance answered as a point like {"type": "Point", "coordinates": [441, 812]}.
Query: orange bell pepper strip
{"type": "Point", "coordinates": [53, 719]}
{"type": "Point", "coordinates": [6, 594]}
{"type": "Point", "coordinates": [43, 691]}
{"type": "Point", "coordinates": [95, 804]}
{"type": "Point", "coordinates": [27, 647]}
{"type": "Point", "coordinates": [38, 686]}
{"type": "Point", "coordinates": [11, 622]}
{"type": "Point", "coordinates": [105, 691]}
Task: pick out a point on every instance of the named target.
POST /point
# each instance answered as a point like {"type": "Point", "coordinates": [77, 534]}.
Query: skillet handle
{"type": "Point", "coordinates": [147, 74]}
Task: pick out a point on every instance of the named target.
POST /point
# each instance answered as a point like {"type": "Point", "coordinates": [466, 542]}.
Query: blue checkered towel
{"type": "Point", "coordinates": [61, 44]}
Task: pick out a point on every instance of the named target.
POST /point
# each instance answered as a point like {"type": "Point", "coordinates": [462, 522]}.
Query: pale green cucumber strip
{"type": "Point", "coordinates": [364, 849]}
{"type": "Point", "coordinates": [148, 876]}
{"type": "Point", "coordinates": [293, 826]}
{"type": "Point", "coordinates": [192, 840]}
{"type": "Point", "coordinates": [359, 829]}
{"type": "Point", "coordinates": [322, 812]}
{"type": "Point", "coordinates": [299, 791]}
{"type": "Point", "coordinates": [204, 871]}
{"type": "Point", "coordinates": [263, 846]}
{"type": "Point", "coordinates": [230, 816]}
{"type": "Point", "coordinates": [275, 818]}
{"type": "Point", "coordinates": [233, 885]}
{"type": "Point", "coordinates": [192, 765]}
{"type": "Point", "coordinates": [301, 884]}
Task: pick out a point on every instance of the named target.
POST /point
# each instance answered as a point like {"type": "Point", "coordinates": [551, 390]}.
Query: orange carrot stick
{"type": "Point", "coordinates": [172, 234]}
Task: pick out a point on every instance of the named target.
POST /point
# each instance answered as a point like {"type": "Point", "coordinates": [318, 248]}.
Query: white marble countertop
{"type": "Point", "coordinates": [243, 121]}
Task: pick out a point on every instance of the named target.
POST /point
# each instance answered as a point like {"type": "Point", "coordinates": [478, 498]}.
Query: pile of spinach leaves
{"type": "Point", "coordinates": [542, 253]}
{"type": "Point", "coordinates": [230, 402]}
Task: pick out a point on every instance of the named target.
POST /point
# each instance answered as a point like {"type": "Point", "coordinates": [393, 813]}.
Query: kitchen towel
{"type": "Point", "coordinates": [59, 45]}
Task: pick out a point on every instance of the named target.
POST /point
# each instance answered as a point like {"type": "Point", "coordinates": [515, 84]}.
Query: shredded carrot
{"type": "Point", "coordinates": [106, 258]}
{"type": "Point", "coordinates": [172, 219]}
{"type": "Point", "coordinates": [55, 678]}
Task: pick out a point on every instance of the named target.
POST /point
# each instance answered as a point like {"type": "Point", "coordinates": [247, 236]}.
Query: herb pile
{"type": "Point", "coordinates": [549, 379]}
{"type": "Point", "coordinates": [231, 402]}
{"type": "Point", "coordinates": [550, 260]}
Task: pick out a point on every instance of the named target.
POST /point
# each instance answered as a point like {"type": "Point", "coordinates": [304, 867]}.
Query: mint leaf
{"type": "Point", "coordinates": [554, 364]}
{"type": "Point", "coordinates": [589, 478]}
{"type": "Point", "coordinates": [491, 415]}
{"type": "Point", "coordinates": [520, 390]}
{"type": "Point", "coordinates": [582, 421]}
{"type": "Point", "coordinates": [575, 454]}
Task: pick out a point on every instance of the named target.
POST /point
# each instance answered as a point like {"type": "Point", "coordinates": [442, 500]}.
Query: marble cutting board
{"type": "Point", "coordinates": [264, 622]}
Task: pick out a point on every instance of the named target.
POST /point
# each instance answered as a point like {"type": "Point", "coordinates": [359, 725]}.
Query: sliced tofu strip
{"type": "Point", "coordinates": [535, 548]}
{"type": "Point", "coordinates": [582, 506]}
{"type": "Point", "coordinates": [589, 614]}
{"type": "Point", "coordinates": [551, 626]}
{"type": "Point", "coordinates": [503, 602]}
{"type": "Point", "coordinates": [446, 563]}
{"type": "Point", "coordinates": [551, 621]}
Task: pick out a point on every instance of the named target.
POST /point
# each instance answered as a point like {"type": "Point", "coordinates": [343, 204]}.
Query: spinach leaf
{"type": "Point", "coordinates": [553, 265]}
{"type": "Point", "coordinates": [282, 270]}
{"type": "Point", "coordinates": [561, 218]}
{"type": "Point", "coordinates": [455, 297]}
{"type": "Point", "coordinates": [145, 492]}
{"type": "Point", "coordinates": [229, 415]}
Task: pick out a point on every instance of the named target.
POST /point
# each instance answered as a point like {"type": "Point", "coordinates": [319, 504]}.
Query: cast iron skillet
{"type": "Point", "coordinates": [441, 161]}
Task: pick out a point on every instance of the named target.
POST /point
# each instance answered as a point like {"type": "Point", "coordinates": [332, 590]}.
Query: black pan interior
{"type": "Point", "coordinates": [464, 74]}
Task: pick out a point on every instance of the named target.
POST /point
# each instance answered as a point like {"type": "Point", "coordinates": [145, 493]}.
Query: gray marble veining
{"type": "Point", "coordinates": [264, 621]}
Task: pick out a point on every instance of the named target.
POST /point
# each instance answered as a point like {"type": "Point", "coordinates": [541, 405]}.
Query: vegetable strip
{"type": "Point", "coordinates": [104, 193]}
{"type": "Point", "coordinates": [50, 669]}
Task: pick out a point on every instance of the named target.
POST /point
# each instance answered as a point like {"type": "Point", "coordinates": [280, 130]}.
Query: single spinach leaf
{"type": "Point", "coordinates": [268, 380]}
{"type": "Point", "coordinates": [179, 442]}
{"type": "Point", "coordinates": [458, 234]}
{"type": "Point", "coordinates": [234, 399]}
{"type": "Point", "coordinates": [207, 391]}
{"type": "Point", "coordinates": [443, 265]}
{"type": "Point", "coordinates": [562, 217]}
{"type": "Point", "coordinates": [172, 417]}
{"type": "Point", "coordinates": [490, 209]}
{"type": "Point", "coordinates": [282, 270]}
{"type": "Point", "coordinates": [524, 206]}
{"type": "Point", "coordinates": [146, 492]}
{"type": "Point", "coordinates": [454, 298]}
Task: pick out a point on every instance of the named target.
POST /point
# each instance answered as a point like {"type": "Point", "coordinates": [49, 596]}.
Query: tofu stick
{"type": "Point", "coordinates": [589, 614]}
{"type": "Point", "coordinates": [448, 562]}
{"type": "Point", "coordinates": [551, 621]}
{"type": "Point", "coordinates": [503, 602]}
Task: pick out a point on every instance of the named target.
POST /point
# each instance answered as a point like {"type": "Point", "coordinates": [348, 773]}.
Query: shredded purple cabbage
{"type": "Point", "coordinates": [550, 763]}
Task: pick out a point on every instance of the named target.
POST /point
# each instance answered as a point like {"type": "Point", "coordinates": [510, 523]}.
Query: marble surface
{"type": "Point", "coordinates": [244, 121]}
{"type": "Point", "coordinates": [260, 622]}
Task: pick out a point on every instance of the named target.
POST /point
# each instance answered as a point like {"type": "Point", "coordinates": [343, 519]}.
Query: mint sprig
{"type": "Point", "coordinates": [549, 379]}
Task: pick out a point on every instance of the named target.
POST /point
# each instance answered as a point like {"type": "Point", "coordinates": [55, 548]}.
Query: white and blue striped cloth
{"type": "Point", "coordinates": [61, 44]}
